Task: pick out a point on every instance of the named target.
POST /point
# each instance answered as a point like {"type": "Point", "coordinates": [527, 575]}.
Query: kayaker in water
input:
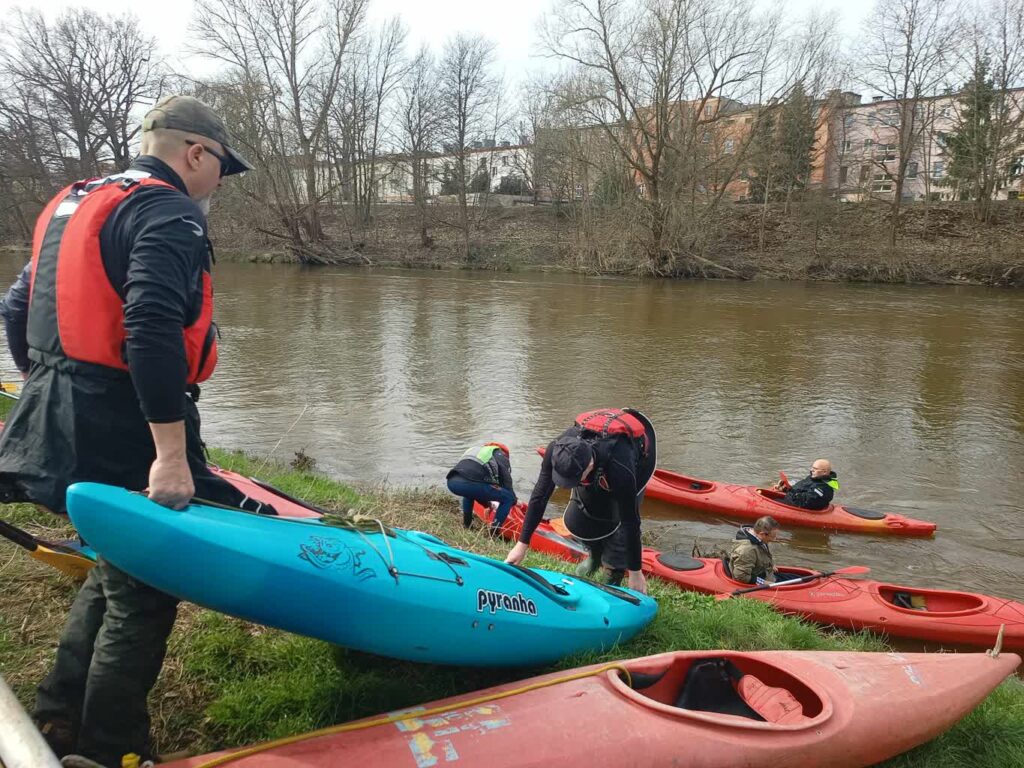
{"type": "Point", "coordinates": [606, 460]}
{"type": "Point", "coordinates": [484, 474]}
{"type": "Point", "coordinates": [813, 492]}
{"type": "Point", "coordinates": [119, 333]}
{"type": "Point", "coordinates": [751, 558]}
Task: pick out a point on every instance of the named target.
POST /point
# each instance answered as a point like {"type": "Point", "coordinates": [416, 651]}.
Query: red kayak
{"type": "Point", "coordinates": [748, 502]}
{"type": "Point", "coordinates": [701, 709]}
{"type": "Point", "coordinates": [284, 505]}
{"type": "Point", "coordinates": [930, 615]}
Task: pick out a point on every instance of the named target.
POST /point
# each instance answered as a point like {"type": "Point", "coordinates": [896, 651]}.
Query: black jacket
{"type": "Point", "coordinates": [611, 493]}
{"type": "Point", "coordinates": [14, 309]}
{"type": "Point", "coordinates": [90, 427]}
{"type": "Point", "coordinates": [811, 493]}
{"type": "Point", "coordinates": [498, 471]}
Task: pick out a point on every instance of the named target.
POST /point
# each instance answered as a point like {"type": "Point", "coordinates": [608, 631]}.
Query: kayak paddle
{"type": "Point", "coordinates": [853, 570]}
{"type": "Point", "coordinates": [65, 559]}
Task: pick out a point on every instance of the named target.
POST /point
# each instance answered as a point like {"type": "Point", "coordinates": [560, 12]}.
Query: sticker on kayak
{"type": "Point", "coordinates": [488, 599]}
{"type": "Point", "coordinates": [331, 553]}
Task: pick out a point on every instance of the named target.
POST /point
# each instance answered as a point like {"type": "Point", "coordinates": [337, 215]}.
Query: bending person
{"type": "Point", "coordinates": [605, 458]}
{"type": "Point", "coordinates": [484, 474]}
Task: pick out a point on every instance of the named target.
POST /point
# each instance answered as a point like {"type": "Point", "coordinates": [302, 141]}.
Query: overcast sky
{"type": "Point", "coordinates": [510, 24]}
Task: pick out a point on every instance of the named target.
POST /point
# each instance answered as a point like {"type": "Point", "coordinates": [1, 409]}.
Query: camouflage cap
{"type": "Point", "coordinates": [184, 113]}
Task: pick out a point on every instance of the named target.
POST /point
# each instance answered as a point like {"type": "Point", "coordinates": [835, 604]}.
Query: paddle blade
{"type": "Point", "coordinates": [75, 566]}
{"type": "Point", "coordinates": [853, 570]}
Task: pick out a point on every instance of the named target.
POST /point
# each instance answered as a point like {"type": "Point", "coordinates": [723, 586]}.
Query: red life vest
{"type": "Point", "coordinates": [611, 421]}
{"type": "Point", "coordinates": [75, 314]}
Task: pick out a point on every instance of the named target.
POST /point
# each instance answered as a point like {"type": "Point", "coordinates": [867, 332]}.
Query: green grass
{"type": "Point", "coordinates": [227, 682]}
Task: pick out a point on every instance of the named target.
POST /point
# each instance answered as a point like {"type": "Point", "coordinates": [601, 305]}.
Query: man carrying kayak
{"type": "Point", "coordinates": [484, 474]}
{"type": "Point", "coordinates": [606, 459]}
{"type": "Point", "coordinates": [813, 492]}
{"type": "Point", "coordinates": [119, 332]}
{"type": "Point", "coordinates": [750, 559]}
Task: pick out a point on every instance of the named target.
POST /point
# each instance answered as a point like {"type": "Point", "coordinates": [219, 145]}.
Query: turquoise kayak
{"type": "Point", "coordinates": [392, 592]}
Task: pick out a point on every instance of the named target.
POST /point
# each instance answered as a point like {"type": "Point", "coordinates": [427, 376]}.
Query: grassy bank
{"type": "Point", "coordinates": [227, 682]}
{"type": "Point", "coordinates": [826, 240]}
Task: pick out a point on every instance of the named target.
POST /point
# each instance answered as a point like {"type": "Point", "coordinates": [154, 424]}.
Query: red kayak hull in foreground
{"type": "Point", "coordinates": [840, 710]}
{"type": "Point", "coordinates": [948, 617]}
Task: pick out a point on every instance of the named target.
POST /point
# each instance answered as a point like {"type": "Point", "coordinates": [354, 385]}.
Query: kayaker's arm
{"type": "Point", "coordinates": [163, 275]}
{"type": "Point", "coordinates": [14, 308]}
{"type": "Point", "coordinates": [166, 247]}
{"type": "Point", "coordinates": [170, 479]}
{"type": "Point", "coordinates": [539, 499]}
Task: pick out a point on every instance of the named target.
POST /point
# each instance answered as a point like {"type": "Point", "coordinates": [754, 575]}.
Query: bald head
{"type": "Point", "coordinates": [821, 468]}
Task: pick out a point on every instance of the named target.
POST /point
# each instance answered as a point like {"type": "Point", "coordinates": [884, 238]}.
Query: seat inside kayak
{"type": "Point", "coordinates": [930, 601]}
{"type": "Point", "coordinates": [733, 685]}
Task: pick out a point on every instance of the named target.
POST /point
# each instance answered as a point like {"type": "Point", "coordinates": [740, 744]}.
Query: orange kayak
{"type": "Point", "coordinates": [939, 616]}
{"type": "Point", "coordinates": [748, 502]}
{"type": "Point", "coordinates": [701, 709]}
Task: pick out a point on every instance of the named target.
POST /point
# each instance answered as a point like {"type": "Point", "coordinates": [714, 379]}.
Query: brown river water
{"type": "Point", "coordinates": [916, 394]}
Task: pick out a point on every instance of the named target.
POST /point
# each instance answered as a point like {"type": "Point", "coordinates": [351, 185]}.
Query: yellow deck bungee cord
{"type": "Point", "coordinates": [346, 727]}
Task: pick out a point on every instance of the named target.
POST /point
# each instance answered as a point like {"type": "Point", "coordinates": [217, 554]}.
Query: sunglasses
{"type": "Point", "coordinates": [224, 163]}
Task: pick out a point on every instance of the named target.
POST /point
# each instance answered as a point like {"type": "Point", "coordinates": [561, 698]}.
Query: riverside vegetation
{"type": "Point", "coordinates": [227, 682]}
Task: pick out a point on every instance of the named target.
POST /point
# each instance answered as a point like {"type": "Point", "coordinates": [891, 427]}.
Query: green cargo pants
{"type": "Point", "coordinates": [110, 653]}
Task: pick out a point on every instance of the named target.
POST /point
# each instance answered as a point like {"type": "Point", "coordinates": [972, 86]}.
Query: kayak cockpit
{"type": "Point", "coordinates": [735, 690]}
{"type": "Point", "coordinates": [933, 602]}
{"type": "Point", "coordinates": [683, 482]}
{"type": "Point", "coordinates": [776, 497]}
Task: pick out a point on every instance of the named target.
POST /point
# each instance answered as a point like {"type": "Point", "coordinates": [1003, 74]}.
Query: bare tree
{"type": "Point", "coordinates": [469, 97]}
{"type": "Point", "coordinates": [907, 54]}
{"type": "Point", "coordinates": [287, 56]}
{"type": "Point", "coordinates": [83, 75]}
{"type": "Point", "coordinates": [420, 118]}
{"type": "Point", "coordinates": [662, 78]}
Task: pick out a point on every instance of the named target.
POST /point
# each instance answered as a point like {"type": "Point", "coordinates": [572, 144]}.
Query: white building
{"type": "Point", "coordinates": [504, 166]}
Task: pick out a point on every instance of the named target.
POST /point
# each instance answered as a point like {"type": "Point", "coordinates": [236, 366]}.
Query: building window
{"type": "Point", "coordinates": [938, 169]}
{"type": "Point", "coordinates": [868, 143]}
{"type": "Point", "coordinates": [708, 110]}
{"type": "Point", "coordinates": [881, 183]}
{"type": "Point", "coordinates": [911, 170]}
{"type": "Point", "coordinates": [872, 119]}
{"type": "Point", "coordinates": [706, 138]}
{"type": "Point", "coordinates": [885, 152]}
{"type": "Point", "coordinates": [504, 159]}
{"type": "Point", "coordinates": [730, 146]}
{"type": "Point", "coordinates": [865, 173]}
{"type": "Point", "coordinates": [847, 145]}
{"type": "Point", "coordinates": [843, 171]}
